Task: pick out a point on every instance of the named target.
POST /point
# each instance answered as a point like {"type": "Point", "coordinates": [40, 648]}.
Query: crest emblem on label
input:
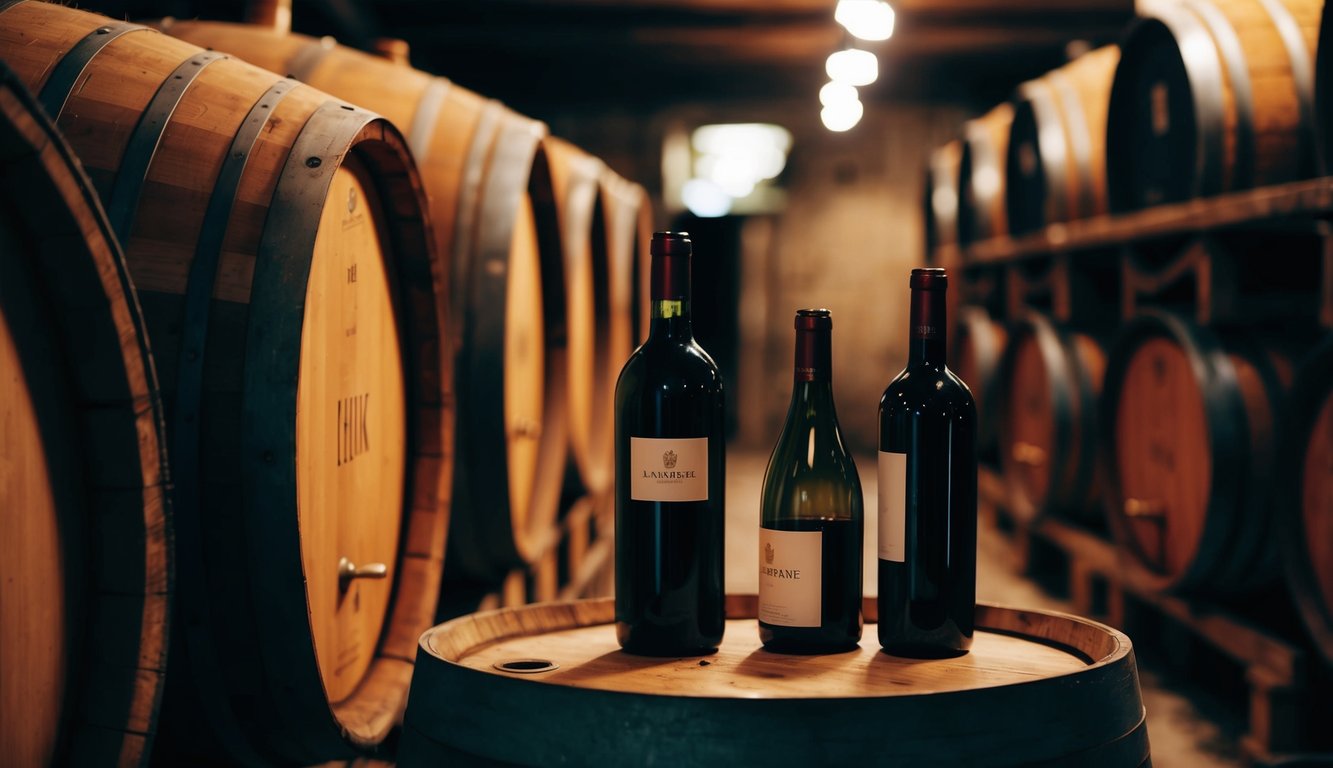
{"type": "Point", "coordinates": [669, 459]}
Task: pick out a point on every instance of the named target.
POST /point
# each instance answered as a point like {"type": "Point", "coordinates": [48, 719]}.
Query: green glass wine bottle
{"type": "Point", "coordinates": [813, 525]}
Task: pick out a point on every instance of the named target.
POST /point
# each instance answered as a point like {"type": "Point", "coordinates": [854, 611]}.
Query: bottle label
{"type": "Point", "coordinates": [893, 506]}
{"type": "Point", "coordinates": [791, 577]}
{"type": "Point", "coordinates": [668, 469]}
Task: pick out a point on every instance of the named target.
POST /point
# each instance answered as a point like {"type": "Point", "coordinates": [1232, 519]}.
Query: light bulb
{"type": "Point", "coordinates": [841, 116]}
{"type": "Point", "coordinates": [852, 67]}
{"type": "Point", "coordinates": [866, 19]}
{"type": "Point", "coordinates": [836, 93]}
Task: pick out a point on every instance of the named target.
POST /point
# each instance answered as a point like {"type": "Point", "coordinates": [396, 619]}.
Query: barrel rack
{"type": "Point", "coordinates": [1084, 272]}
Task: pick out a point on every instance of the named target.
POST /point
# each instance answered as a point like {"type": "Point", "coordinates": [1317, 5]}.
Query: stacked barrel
{"type": "Point", "coordinates": [385, 339]}
{"type": "Point", "coordinates": [1179, 431]}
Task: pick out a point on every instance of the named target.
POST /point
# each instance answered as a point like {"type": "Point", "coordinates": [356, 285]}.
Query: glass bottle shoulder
{"type": "Point", "coordinates": [670, 366]}
{"type": "Point", "coordinates": [928, 389]}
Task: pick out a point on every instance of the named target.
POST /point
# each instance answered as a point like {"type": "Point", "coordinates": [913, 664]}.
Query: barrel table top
{"type": "Point", "coordinates": [533, 684]}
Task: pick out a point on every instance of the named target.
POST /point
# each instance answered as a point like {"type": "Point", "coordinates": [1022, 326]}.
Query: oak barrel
{"type": "Point", "coordinates": [976, 348]}
{"type": "Point", "coordinates": [491, 190]}
{"type": "Point", "coordinates": [1048, 382]}
{"type": "Point", "coordinates": [940, 200]}
{"type": "Point", "coordinates": [85, 558]}
{"type": "Point", "coordinates": [1212, 96]}
{"type": "Point", "coordinates": [1187, 420]}
{"type": "Point", "coordinates": [1323, 91]}
{"type": "Point", "coordinates": [1037, 688]}
{"type": "Point", "coordinates": [1056, 162]}
{"type": "Point", "coordinates": [1304, 485]}
{"type": "Point", "coordinates": [595, 322]}
{"type": "Point", "coordinates": [281, 248]}
{"type": "Point", "coordinates": [981, 175]}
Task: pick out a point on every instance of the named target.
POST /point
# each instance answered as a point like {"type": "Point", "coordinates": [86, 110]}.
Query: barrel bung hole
{"type": "Point", "coordinates": [526, 666]}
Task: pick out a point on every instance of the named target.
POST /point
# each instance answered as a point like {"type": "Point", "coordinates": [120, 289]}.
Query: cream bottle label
{"type": "Point", "coordinates": [791, 577]}
{"type": "Point", "coordinates": [893, 506]}
{"type": "Point", "coordinates": [668, 469]}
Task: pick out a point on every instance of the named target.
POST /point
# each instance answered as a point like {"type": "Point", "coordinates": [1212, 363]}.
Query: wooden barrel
{"type": "Point", "coordinates": [940, 201]}
{"type": "Point", "coordinates": [1212, 96]}
{"type": "Point", "coordinates": [977, 346]}
{"type": "Point", "coordinates": [279, 244]}
{"type": "Point", "coordinates": [1304, 484]}
{"type": "Point", "coordinates": [1056, 160]}
{"type": "Point", "coordinates": [593, 319]}
{"type": "Point", "coordinates": [623, 202]}
{"type": "Point", "coordinates": [1049, 380]}
{"type": "Point", "coordinates": [1055, 690]}
{"type": "Point", "coordinates": [86, 555]}
{"type": "Point", "coordinates": [981, 213]}
{"type": "Point", "coordinates": [1187, 418]}
{"type": "Point", "coordinates": [491, 192]}
{"type": "Point", "coordinates": [642, 265]}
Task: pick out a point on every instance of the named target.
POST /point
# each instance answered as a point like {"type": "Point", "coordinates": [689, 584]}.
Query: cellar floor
{"type": "Point", "coordinates": [1186, 729]}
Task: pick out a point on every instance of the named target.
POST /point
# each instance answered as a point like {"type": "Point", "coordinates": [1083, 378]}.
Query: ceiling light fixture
{"type": "Point", "coordinates": [866, 19]}
{"type": "Point", "coordinates": [852, 66]}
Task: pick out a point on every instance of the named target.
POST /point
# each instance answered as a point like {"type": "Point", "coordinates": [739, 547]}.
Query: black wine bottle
{"type": "Point", "coordinates": [927, 492]}
{"type": "Point", "coordinates": [670, 476]}
{"type": "Point", "coordinates": [812, 522]}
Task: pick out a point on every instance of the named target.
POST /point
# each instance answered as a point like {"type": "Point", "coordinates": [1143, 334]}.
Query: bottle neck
{"type": "Point", "coordinates": [928, 329]}
{"type": "Point", "coordinates": [814, 357]}
{"type": "Point", "coordinates": [669, 297]}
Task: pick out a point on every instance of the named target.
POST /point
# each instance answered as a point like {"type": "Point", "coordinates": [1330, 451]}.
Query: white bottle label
{"type": "Point", "coordinates": [668, 469]}
{"type": "Point", "coordinates": [791, 577]}
{"type": "Point", "coordinates": [893, 506]}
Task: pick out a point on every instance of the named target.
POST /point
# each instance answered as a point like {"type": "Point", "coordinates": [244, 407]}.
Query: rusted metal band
{"type": "Point", "coordinates": [66, 73]}
{"type": "Point", "coordinates": [139, 151]}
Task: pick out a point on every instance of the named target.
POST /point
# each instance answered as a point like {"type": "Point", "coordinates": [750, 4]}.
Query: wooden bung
{"type": "Point", "coordinates": [1188, 423]}
{"type": "Point", "coordinates": [280, 248]}
{"type": "Point", "coordinates": [1054, 690]}
{"type": "Point", "coordinates": [1056, 158]}
{"type": "Point", "coordinates": [1304, 488]}
{"type": "Point", "coordinates": [1048, 382]}
{"type": "Point", "coordinates": [498, 231]}
{"type": "Point", "coordinates": [981, 213]}
{"type": "Point", "coordinates": [85, 558]}
{"type": "Point", "coordinates": [1212, 96]}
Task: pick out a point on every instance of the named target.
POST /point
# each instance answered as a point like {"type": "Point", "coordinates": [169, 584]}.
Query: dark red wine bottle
{"type": "Point", "coordinates": [812, 524]}
{"type": "Point", "coordinates": [670, 476]}
{"type": "Point", "coordinates": [927, 492]}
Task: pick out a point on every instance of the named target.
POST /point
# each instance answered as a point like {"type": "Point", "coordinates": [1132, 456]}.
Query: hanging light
{"type": "Point", "coordinates": [852, 67]}
{"type": "Point", "coordinates": [841, 115]}
{"type": "Point", "coordinates": [866, 19]}
{"type": "Point", "coordinates": [836, 93]}
{"type": "Point", "coordinates": [705, 199]}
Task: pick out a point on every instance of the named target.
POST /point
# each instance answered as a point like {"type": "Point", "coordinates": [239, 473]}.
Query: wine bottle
{"type": "Point", "coordinates": [927, 492]}
{"type": "Point", "coordinates": [670, 476]}
{"type": "Point", "coordinates": [812, 522]}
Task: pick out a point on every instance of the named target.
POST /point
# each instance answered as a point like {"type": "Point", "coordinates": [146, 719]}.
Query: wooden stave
{"type": "Point", "coordinates": [446, 690]}
{"type": "Point", "coordinates": [981, 211]}
{"type": "Point", "coordinates": [1222, 570]}
{"type": "Point", "coordinates": [1072, 180]}
{"type": "Point", "coordinates": [111, 712]}
{"type": "Point", "coordinates": [1219, 81]}
{"type": "Point", "coordinates": [941, 181]}
{"type": "Point", "coordinates": [1075, 380]}
{"type": "Point", "coordinates": [623, 202]}
{"type": "Point", "coordinates": [581, 206]}
{"type": "Point", "coordinates": [977, 333]}
{"type": "Point", "coordinates": [418, 549]}
{"type": "Point", "coordinates": [1309, 395]}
